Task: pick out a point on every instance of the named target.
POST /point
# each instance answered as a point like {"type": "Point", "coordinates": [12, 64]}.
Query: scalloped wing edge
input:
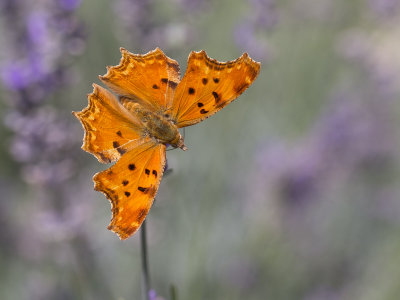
{"type": "Point", "coordinates": [119, 231]}
{"type": "Point", "coordinates": [80, 115]}
{"type": "Point", "coordinates": [122, 65]}
{"type": "Point", "coordinates": [212, 63]}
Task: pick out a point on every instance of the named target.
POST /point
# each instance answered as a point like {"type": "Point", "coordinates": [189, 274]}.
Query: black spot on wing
{"type": "Point", "coordinates": [143, 189]}
{"type": "Point", "coordinates": [216, 97]}
{"type": "Point", "coordinates": [125, 182]}
{"type": "Point", "coordinates": [132, 167]}
{"type": "Point", "coordinates": [104, 158]}
{"type": "Point", "coordinates": [116, 146]}
{"type": "Point", "coordinates": [204, 81]}
{"type": "Point", "coordinates": [121, 151]}
{"type": "Point", "coordinates": [172, 84]}
{"type": "Point", "coordinates": [203, 111]}
{"type": "Point", "coordinates": [173, 65]}
{"type": "Point", "coordinates": [147, 171]}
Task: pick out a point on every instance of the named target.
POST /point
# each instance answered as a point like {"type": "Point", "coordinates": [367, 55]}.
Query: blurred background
{"type": "Point", "coordinates": [291, 192]}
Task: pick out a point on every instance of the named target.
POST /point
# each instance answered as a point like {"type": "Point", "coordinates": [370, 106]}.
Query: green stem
{"type": "Point", "coordinates": [173, 293]}
{"type": "Point", "coordinates": [145, 268]}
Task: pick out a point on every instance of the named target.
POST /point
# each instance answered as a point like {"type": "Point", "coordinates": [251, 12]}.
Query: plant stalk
{"type": "Point", "coordinates": [145, 266]}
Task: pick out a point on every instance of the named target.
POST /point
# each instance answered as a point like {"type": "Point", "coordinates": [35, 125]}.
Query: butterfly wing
{"type": "Point", "coordinates": [110, 129]}
{"type": "Point", "coordinates": [150, 79]}
{"type": "Point", "coordinates": [209, 85]}
{"type": "Point", "coordinates": [131, 185]}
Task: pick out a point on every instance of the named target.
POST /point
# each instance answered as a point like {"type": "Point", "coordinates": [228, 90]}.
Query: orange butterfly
{"type": "Point", "coordinates": [153, 103]}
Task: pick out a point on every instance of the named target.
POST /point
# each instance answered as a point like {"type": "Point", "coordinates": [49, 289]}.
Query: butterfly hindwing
{"type": "Point", "coordinates": [209, 85]}
{"type": "Point", "coordinates": [109, 127]}
{"type": "Point", "coordinates": [131, 185]}
{"type": "Point", "coordinates": [150, 79]}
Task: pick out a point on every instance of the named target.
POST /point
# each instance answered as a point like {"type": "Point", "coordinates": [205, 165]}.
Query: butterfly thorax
{"type": "Point", "coordinates": [156, 125]}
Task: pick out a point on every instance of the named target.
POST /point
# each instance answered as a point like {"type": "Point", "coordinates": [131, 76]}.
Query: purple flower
{"type": "Point", "coordinates": [15, 76]}
{"type": "Point", "coordinates": [191, 6]}
{"type": "Point", "coordinates": [323, 293]}
{"type": "Point", "coordinates": [43, 141]}
{"type": "Point", "coordinates": [153, 295]}
{"type": "Point", "coordinates": [245, 36]}
{"type": "Point", "coordinates": [354, 134]}
{"type": "Point", "coordinates": [250, 34]}
{"type": "Point", "coordinates": [70, 4]}
{"type": "Point", "coordinates": [265, 13]}
{"type": "Point", "coordinates": [39, 46]}
{"type": "Point", "coordinates": [151, 30]}
{"type": "Point", "coordinates": [377, 55]}
{"type": "Point", "coordinates": [34, 67]}
{"type": "Point", "coordinates": [37, 27]}
{"type": "Point", "coordinates": [385, 8]}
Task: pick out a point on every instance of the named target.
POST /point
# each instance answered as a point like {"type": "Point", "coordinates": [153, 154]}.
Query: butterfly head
{"type": "Point", "coordinates": [181, 144]}
{"type": "Point", "coordinates": [178, 141]}
{"type": "Point", "coordinates": [183, 147]}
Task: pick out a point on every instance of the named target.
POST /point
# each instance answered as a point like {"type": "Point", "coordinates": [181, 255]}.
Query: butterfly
{"type": "Point", "coordinates": [135, 128]}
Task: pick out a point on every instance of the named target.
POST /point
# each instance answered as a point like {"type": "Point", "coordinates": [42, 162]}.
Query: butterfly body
{"type": "Point", "coordinates": [134, 129]}
{"type": "Point", "coordinates": [156, 125]}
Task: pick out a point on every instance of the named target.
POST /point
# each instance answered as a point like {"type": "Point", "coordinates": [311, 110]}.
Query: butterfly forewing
{"type": "Point", "coordinates": [150, 79]}
{"type": "Point", "coordinates": [209, 85]}
{"type": "Point", "coordinates": [109, 127]}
